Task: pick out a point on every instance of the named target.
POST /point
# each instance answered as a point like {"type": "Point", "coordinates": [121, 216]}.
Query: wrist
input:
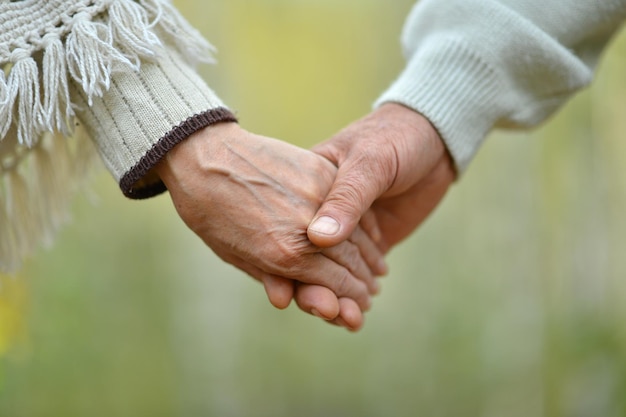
{"type": "Point", "coordinates": [411, 123]}
{"type": "Point", "coordinates": [200, 146]}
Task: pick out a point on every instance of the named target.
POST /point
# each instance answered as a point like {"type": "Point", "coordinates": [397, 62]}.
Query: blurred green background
{"type": "Point", "coordinates": [510, 301]}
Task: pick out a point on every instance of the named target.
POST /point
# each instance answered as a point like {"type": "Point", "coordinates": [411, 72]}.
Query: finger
{"type": "Point", "coordinates": [370, 226]}
{"type": "Point", "coordinates": [315, 269]}
{"type": "Point", "coordinates": [279, 290]}
{"type": "Point", "coordinates": [349, 255]}
{"type": "Point", "coordinates": [329, 150]}
{"type": "Point", "coordinates": [318, 269]}
{"type": "Point", "coordinates": [322, 270]}
{"type": "Point", "coordinates": [420, 200]}
{"type": "Point", "coordinates": [370, 252]}
{"type": "Point", "coordinates": [317, 300]}
{"type": "Point", "coordinates": [355, 188]}
{"type": "Point", "coordinates": [321, 302]}
{"type": "Point", "coordinates": [350, 316]}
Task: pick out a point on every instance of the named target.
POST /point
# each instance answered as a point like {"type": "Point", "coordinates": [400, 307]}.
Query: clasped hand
{"type": "Point", "coordinates": [252, 200]}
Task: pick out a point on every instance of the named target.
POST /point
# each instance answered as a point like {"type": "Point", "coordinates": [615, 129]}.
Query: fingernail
{"type": "Point", "coordinates": [376, 288]}
{"type": "Point", "coordinates": [368, 304]}
{"type": "Point", "coordinates": [382, 267]}
{"type": "Point", "coordinates": [342, 323]}
{"type": "Point", "coordinates": [317, 313]}
{"type": "Point", "coordinates": [376, 235]}
{"type": "Point", "coordinates": [325, 225]}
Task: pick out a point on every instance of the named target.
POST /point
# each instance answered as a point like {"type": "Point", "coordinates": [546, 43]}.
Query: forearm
{"type": "Point", "coordinates": [478, 64]}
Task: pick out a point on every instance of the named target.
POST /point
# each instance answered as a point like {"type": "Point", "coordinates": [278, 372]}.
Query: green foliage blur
{"type": "Point", "coordinates": [509, 302]}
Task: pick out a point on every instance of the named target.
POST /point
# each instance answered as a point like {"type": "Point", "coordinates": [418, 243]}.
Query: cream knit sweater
{"type": "Point", "coordinates": [473, 65]}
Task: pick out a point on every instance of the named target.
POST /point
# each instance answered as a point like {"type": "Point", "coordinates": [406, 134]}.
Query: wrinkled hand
{"type": "Point", "coordinates": [251, 198]}
{"type": "Point", "coordinates": [393, 161]}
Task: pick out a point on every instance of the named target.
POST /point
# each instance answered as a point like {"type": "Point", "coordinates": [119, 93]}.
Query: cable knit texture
{"type": "Point", "coordinates": [117, 71]}
{"type": "Point", "coordinates": [473, 65]}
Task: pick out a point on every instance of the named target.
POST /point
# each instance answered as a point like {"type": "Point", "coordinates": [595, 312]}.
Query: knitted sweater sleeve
{"type": "Point", "coordinates": [149, 107]}
{"type": "Point", "coordinates": [144, 114]}
{"type": "Point", "coordinates": [473, 65]}
{"type": "Point", "coordinates": [118, 72]}
{"type": "Point", "coordinates": [123, 70]}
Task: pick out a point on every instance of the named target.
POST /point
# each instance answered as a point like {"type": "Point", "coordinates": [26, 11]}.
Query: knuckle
{"type": "Point", "coordinates": [349, 198]}
{"type": "Point", "coordinates": [287, 258]}
{"type": "Point", "coordinates": [354, 258]}
{"type": "Point", "coordinates": [368, 175]}
{"type": "Point", "coordinates": [347, 285]}
{"type": "Point", "coordinates": [343, 283]}
{"type": "Point", "coordinates": [291, 254]}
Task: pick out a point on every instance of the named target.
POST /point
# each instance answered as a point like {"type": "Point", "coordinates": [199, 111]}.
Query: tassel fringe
{"type": "Point", "coordinates": [36, 191]}
{"type": "Point", "coordinates": [38, 161]}
{"type": "Point", "coordinates": [172, 26]}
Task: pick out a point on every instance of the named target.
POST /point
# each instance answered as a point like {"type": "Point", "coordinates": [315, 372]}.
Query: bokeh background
{"type": "Point", "coordinates": [510, 301]}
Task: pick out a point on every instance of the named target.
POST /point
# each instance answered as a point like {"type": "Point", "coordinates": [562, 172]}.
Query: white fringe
{"type": "Point", "coordinates": [170, 25]}
{"type": "Point", "coordinates": [24, 78]}
{"type": "Point", "coordinates": [57, 106]}
{"type": "Point", "coordinates": [39, 169]}
{"type": "Point", "coordinates": [36, 192]}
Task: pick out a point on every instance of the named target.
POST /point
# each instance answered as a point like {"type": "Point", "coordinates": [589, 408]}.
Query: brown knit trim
{"type": "Point", "coordinates": [163, 146]}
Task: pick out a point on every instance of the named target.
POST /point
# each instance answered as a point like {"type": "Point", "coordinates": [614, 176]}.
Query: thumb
{"type": "Point", "coordinates": [352, 194]}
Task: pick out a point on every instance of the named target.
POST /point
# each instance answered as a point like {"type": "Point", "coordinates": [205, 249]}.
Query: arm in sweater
{"type": "Point", "coordinates": [472, 65]}
{"type": "Point", "coordinates": [144, 114]}
{"type": "Point", "coordinates": [121, 71]}
{"type": "Point", "coordinates": [478, 64]}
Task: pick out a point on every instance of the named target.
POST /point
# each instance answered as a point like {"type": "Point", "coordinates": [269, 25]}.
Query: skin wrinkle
{"type": "Point", "coordinates": [395, 164]}
{"type": "Point", "coordinates": [391, 166]}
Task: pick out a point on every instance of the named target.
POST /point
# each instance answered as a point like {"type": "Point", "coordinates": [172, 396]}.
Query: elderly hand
{"type": "Point", "coordinates": [251, 198]}
{"type": "Point", "coordinates": [392, 161]}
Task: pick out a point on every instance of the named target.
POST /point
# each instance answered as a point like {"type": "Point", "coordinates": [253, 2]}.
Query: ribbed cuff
{"type": "Point", "coordinates": [144, 114]}
{"type": "Point", "coordinates": [132, 184]}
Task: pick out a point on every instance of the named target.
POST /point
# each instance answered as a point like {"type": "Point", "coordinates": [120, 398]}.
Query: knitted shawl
{"type": "Point", "coordinates": [46, 48]}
